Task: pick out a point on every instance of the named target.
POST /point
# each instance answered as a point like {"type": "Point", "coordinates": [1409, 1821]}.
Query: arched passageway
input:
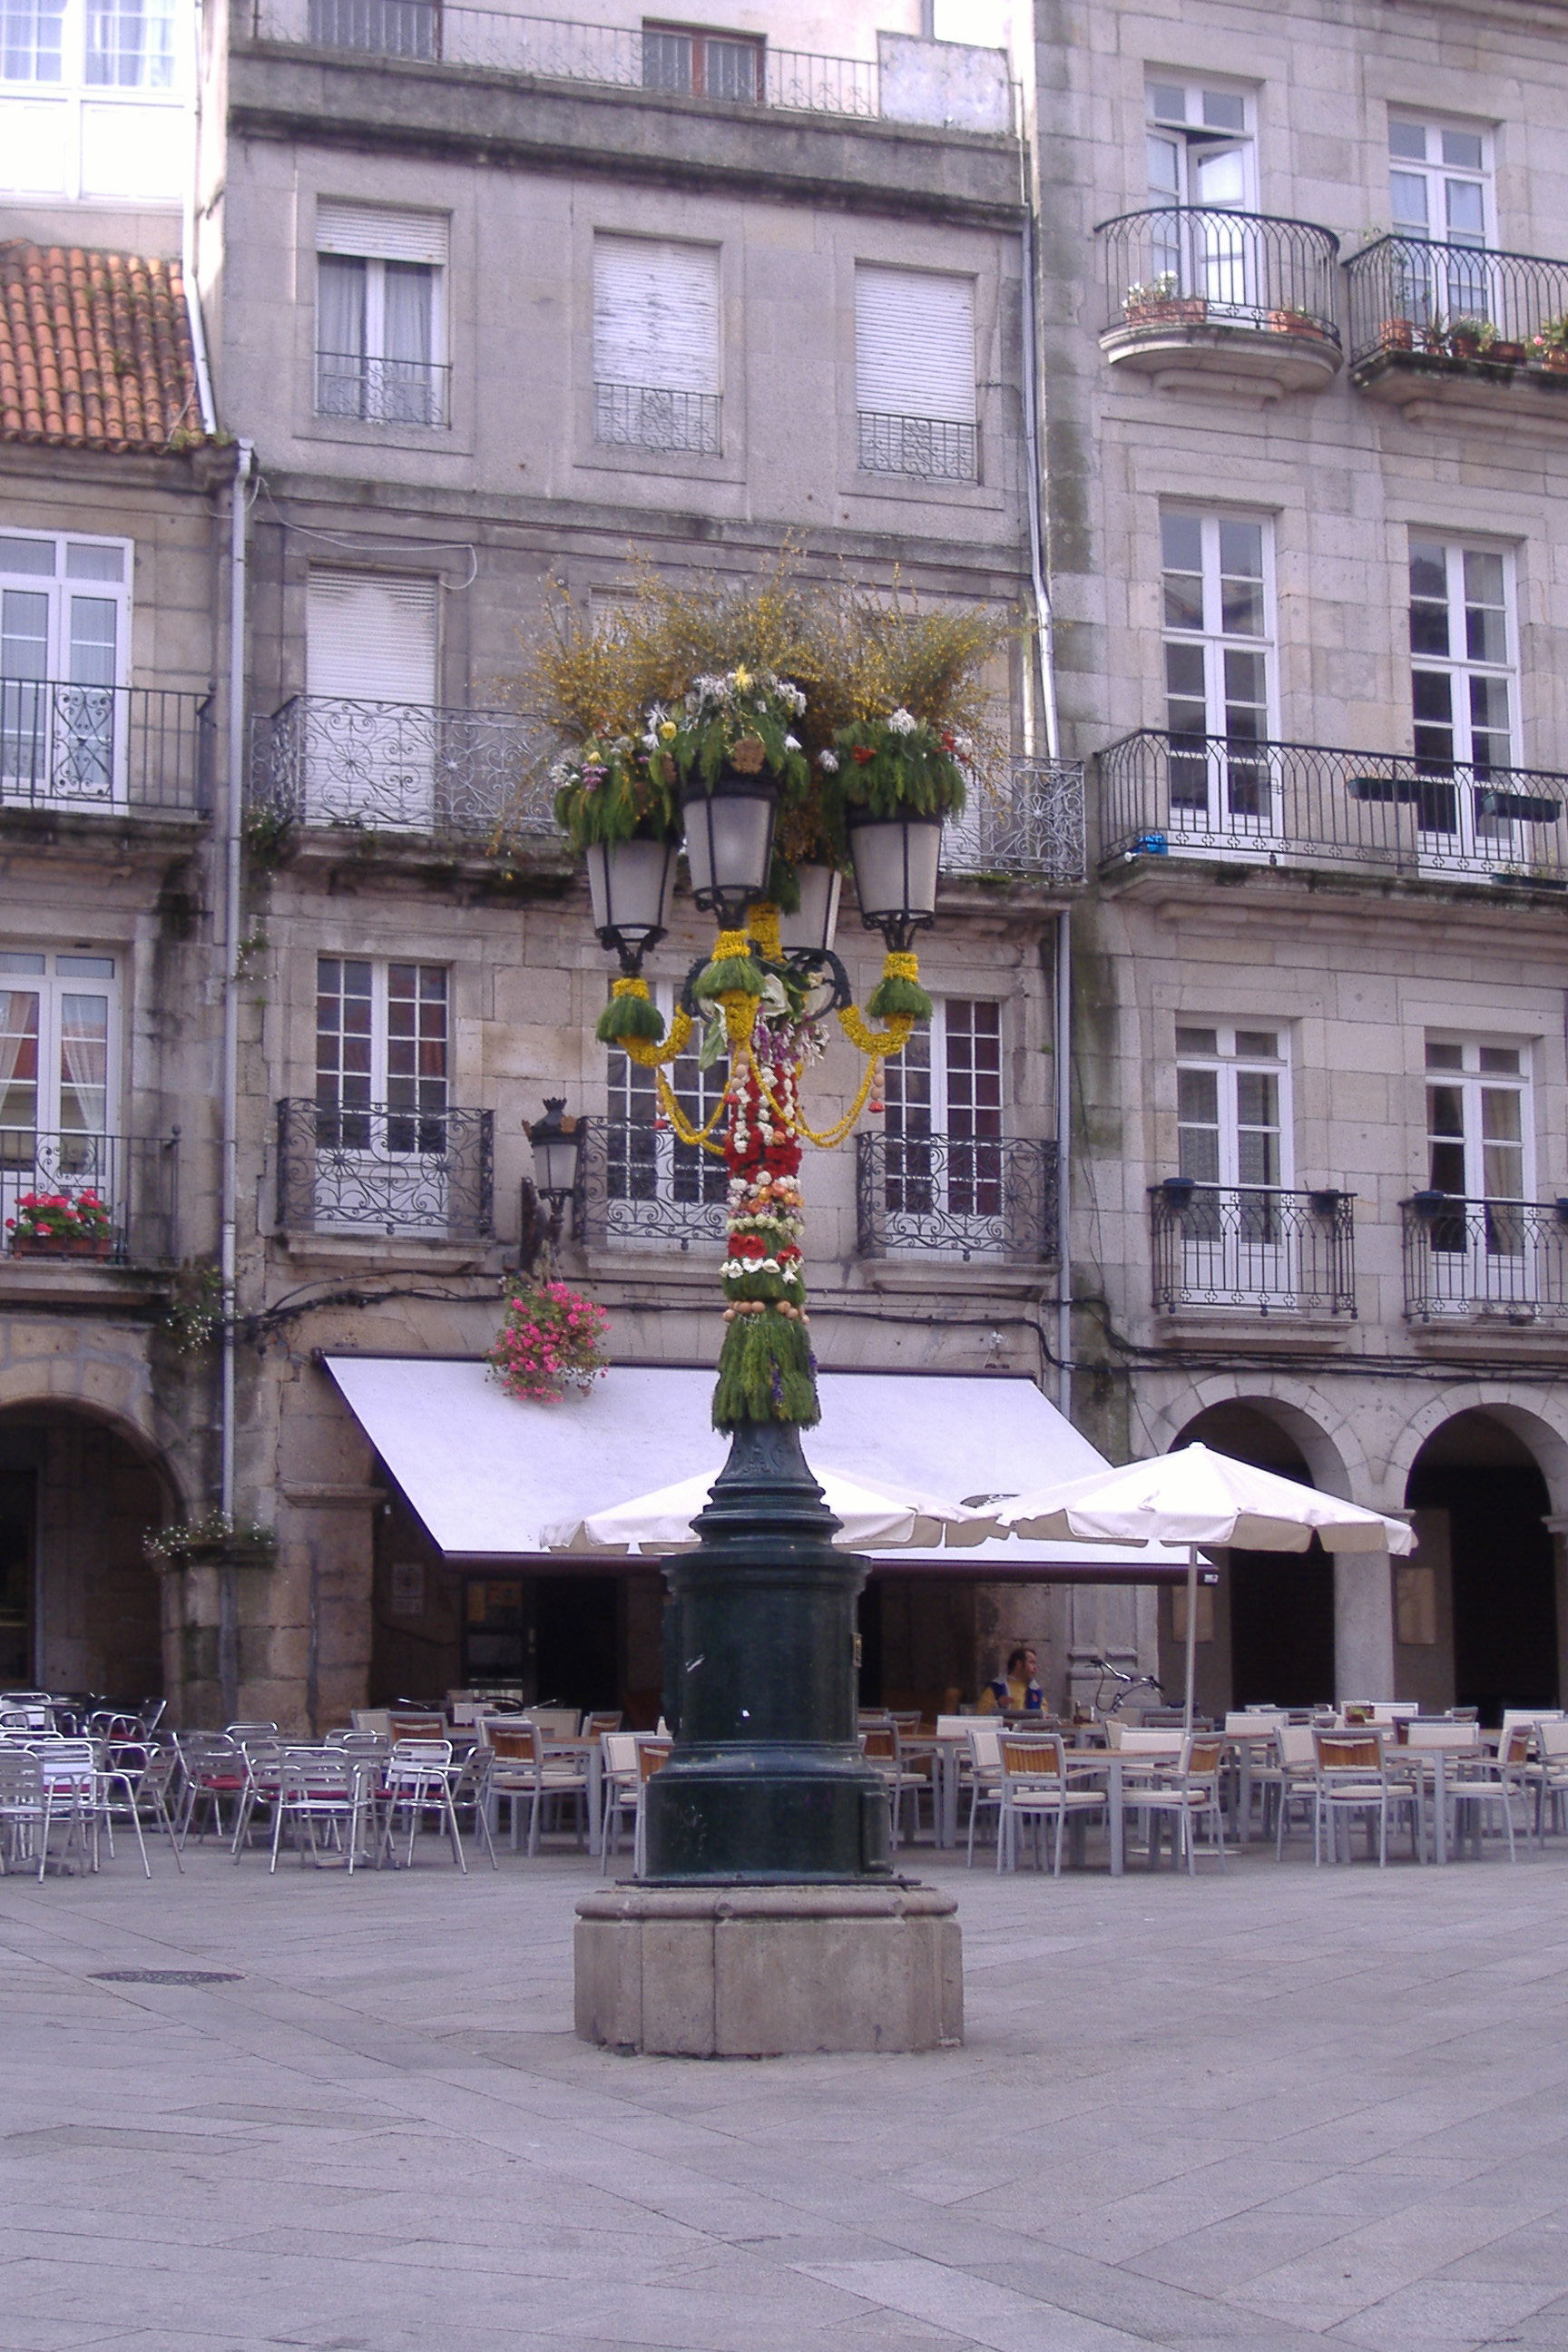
{"type": "Point", "coordinates": [1476, 1616]}
{"type": "Point", "coordinates": [1268, 1627]}
{"type": "Point", "coordinates": [79, 1608]}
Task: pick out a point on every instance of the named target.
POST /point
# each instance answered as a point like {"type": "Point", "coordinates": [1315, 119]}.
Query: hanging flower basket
{"type": "Point", "coordinates": [213, 1539]}
{"type": "Point", "coordinates": [551, 1344]}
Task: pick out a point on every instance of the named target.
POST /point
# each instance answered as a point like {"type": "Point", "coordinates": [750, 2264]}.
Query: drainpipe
{"type": "Point", "coordinates": [1035, 464]}
{"type": "Point", "coordinates": [233, 878]}
{"type": "Point", "coordinates": [188, 240]}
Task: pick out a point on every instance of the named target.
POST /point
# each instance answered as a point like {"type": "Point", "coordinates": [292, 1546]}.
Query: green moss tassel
{"type": "Point", "coordinates": [766, 1373]}
{"type": "Point", "coordinates": [895, 994]}
{"type": "Point", "coordinates": [742, 974]}
{"type": "Point", "coordinates": [629, 1016]}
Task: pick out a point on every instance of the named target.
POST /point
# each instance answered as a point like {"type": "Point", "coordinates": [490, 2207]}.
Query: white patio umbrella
{"type": "Point", "coordinates": [1202, 1499]}
{"type": "Point", "coordinates": [870, 1512]}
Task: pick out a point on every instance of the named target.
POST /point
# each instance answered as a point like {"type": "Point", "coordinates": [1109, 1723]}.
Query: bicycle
{"type": "Point", "coordinates": [1130, 1684]}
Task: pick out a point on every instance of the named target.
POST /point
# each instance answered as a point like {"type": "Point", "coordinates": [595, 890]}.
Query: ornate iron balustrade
{"type": "Point", "coordinates": [927, 448]}
{"type": "Point", "coordinates": [545, 49]}
{"type": "Point", "coordinates": [387, 1169]}
{"type": "Point", "coordinates": [638, 1184]}
{"type": "Point", "coordinates": [104, 747]}
{"type": "Point", "coordinates": [1305, 803]}
{"type": "Point", "coordinates": [382, 391]}
{"type": "Point", "coordinates": [1421, 303]}
{"type": "Point", "coordinates": [1503, 1259]}
{"type": "Point", "coordinates": [136, 1177]}
{"type": "Point", "coordinates": [956, 1196]}
{"type": "Point", "coordinates": [1253, 1247]}
{"type": "Point", "coordinates": [405, 767]}
{"type": "Point", "coordinates": [1189, 266]}
{"type": "Point", "coordinates": [643, 416]}
{"type": "Point", "coordinates": [1032, 825]}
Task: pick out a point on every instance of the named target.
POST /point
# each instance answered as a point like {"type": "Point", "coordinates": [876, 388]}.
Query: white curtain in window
{"type": "Point", "coordinates": [340, 307]}
{"type": "Point", "coordinates": [18, 1063]}
{"type": "Point", "coordinates": [84, 1064]}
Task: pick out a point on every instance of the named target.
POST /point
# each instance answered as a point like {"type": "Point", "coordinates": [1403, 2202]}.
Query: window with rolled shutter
{"type": "Point", "coordinates": [379, 325]}
{"type": "Point", "coordinates": [372, 727]}
{"type": "Point", "coordinates": [914, 370]}
{"type": "Point", "coordinates": [655, 344]}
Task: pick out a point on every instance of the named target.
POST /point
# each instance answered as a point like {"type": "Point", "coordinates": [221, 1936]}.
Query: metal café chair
{"type": "Point", "coordinates": [416, 1780]}
{"type": "Point", "coordinates": [1035, 1792]}
{"type": "Point", "coordinates": [324, 1795]}
{"type": "Point", "coordinates": [1185, 1789]}
{"type": "Point", "coordinates": [23, 1814]}
{"type": "Point", "coordinates": [1353, 1778]}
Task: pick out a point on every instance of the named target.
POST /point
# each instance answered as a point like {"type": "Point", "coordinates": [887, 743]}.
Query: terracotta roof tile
{"type": "Point", "coordinates": [95, 351]}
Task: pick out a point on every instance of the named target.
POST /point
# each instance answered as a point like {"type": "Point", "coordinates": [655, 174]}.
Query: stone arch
{"type": "Point", "coordinates": [1321, 1433]}
{"type": "Point", "coordinates": [1518, 1410]}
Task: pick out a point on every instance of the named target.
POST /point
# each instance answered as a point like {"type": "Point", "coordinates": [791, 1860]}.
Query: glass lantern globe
{"type": "Point", "coordinates": [557, 1144]}
{"type": "Point", "coordinates": [812, 930]}
{"type": "Point", "coordinates": [896, 860]}
{"type": "Point", "coordinates": [630, 884]}
{"type": "Point", "coordinates": [730, 842]}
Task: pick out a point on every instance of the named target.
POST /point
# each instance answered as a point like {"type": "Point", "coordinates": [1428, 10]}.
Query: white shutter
{"type": "Point", "coordinates": [655, 314]}
{"type": "Point", "coordinates": [914, 344]}
{"type": "Point", "coordinates": [370, 639]}
{"type": "Point", "coordinates": [373, 234]}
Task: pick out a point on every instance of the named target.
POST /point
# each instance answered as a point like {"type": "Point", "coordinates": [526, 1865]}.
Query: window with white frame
{"type": "Point", "coordinates": [914, 374]}
{"type": "Point", "coordinates": [655, 344]}
{"type": "Point", "coordinates": [694, 63]}
{"type": "Point", "coordinates": [372, 730]}
{"type": "Point", "coordinates": [1479, 1138]}
{"type": "Point", "coordinates": [1464, 692]}
{"type": "Point", "coordinates": [655, 1185]}
{"type": "Point", "coordinates": [381, 315]}
{"type": "Point", "coordinates": [944, 1096]}
{"type": "Point", "coordinates": [1218, 610]}
{"type": "Point", "coordinates": [59, 1039]}
{"type": "Point", "coordinates": [1440, 193]}
{"type": "Point", "coordinates": [1238, 1240]}
{"type": "Point", "coordinates": [91, 98]}
{"type": "Point", "coordinates": [381, 1056]}
{"type": "Point", "coordinates": [65, 613]}
{"type": "Point", "coordinates": [1201, 147]}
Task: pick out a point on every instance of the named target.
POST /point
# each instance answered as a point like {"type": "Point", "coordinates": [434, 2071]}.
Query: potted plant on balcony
{"type": "Point", "coordinates": [61, 1225]}
{"type": "Point", "coordinates": [1470, 338]}
{"type": "Point", "coordinates": [1549, 345]}
{"type": "Point", "coordinates": [1396, 334]}
{"type": "Point", "coordinates": [1289, 321]}
{"type": "Point", "coordinates": [1157, 304]}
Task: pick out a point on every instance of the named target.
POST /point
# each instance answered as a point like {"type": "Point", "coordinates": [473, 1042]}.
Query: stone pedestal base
{"type": "Point", "coordinates": [769, 1972]}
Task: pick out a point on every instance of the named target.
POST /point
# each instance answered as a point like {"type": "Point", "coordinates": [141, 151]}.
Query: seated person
{"type": "Point", "coordinates": [1018, 1691]}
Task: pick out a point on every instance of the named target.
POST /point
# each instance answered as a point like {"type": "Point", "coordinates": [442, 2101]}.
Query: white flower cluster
{"type": "Point", "coordinates": [828, 762]}
{"type": "Point", "coordinates": [902, 722]}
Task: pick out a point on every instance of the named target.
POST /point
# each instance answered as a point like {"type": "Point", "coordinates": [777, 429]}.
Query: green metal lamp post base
{"type": "Point", "coordinates": [767, 1783]}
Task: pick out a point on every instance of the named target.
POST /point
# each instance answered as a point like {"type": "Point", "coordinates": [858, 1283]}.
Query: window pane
{"type": "Point", "coordinates": [85, 560]}
{"type": "Point", "coordinates": [84, 1064]}
{"type": "Point", "coordinates": [1432, 698]}
{"type": "Point", "coordinates": [1167, 101]}
{"type": "Point", "coordinates": [1446, 1167]}
{"type": "Point", "coordinates": [1500, 1115]}
{"type": "Point", "coordinates": [18, 1061]}
{"type": "Point", "coordinates": [23, 633]}
{"type": "Point", "coordinates": [1429, 568]}
{"type": "Point", "coordinates": [1181, 541]}
{"type": "Point", "coordinates": [27, 555]}
{"type": "Point", "coordinates": [1466, 214]}
{"type": "Point", "coordinates": [1257, 1099]}
{"type": "Point", "coordinates": [1262, 1043]}
{"type": "Point", "coordinates": [1442, 1056]}
{"type": "Point", "coordinates": [1463, 149]}
{"type": "Point", "coordinates": [1446, 1111]}
{"type": "Point", "coordinates": [1224, 110]}
{"type": "Point", "coordinates": [1241, 549]}
{"type": "Point", "coordinates": [1499, 1059]}
{"type": "Point", "coordinates": [1184, 600]}
{"type": "Point", "coordinates": [1198, 1096]}
{"type": "Point", "coordinates": [1197, 1041]}
{"type": "Point", "coordinates": [30, 39]}
{"type": "Point", "coordinates": [1407, 200]}
{"type": "Point", "coordinates": [1165, 170]}
{"type": "Point", "coordinates": [1184, 671]}
{"type": "Point", "coordinates": [1408, 140]}
{"type": "Point", "coordinates": [92, 639]}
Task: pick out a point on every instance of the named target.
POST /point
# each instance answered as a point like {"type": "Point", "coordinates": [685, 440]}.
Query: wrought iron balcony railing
{"type": "Point", "coordinates": [1195, 267]}
{"type": "Point", "coordinates": [404, 768]}
{"type": "Point", "coordinates": [1502, 1259]}
{"type": "Point", "coordinates": [637, 1185]}
{"type": "Point", "coordinates": [387, 1169]}
{"type": "Point", "coordinates": [930, 448]}
{"type": "Point", "coordinates": [611, 57]}
{"type": "Point", "coordinates": [104, 747]}
{"type": "Point", "coordinates": [134, 1177]}
{"type": "Point", "coordinates": [1420, 303]}
{"type": "Point", "coordinates": [956, 1196]}
{"type": "Point", "coordinates": [642, 416]}
{"type": "Point", "coordinates": [380, 391]}
{"type": "Point", "coordinates": [1307, 804]}
{"type": "Point", "coordinates": [1253, 1247]}
{"type": "Point", "coordinates": [1030, 825]}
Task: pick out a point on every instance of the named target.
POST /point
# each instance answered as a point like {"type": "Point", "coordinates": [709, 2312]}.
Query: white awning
{"type": "Point", "coordinates": [487, 1475]}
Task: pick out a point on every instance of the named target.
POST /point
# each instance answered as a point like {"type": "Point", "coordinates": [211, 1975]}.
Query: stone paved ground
{"type": "Point", "coordinates": [1268, 2113]}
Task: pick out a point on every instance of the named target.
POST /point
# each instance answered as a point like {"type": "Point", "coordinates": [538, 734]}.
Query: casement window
{"type": "Point", "coordinates": [1440, 193]}
{"type": "Point", "coordinates": [914, 374]}
{"type": "Point", "coordinates": [382, 1033]}
{"type": "Point", "coordinates": [91, 102]}
{"type": "Point", "coordinates": [1463, 691]}
{"type": "Point", "coordinates": [1217, 594]}
{"type": "Point", "coordinates": [102, 44]}
{"type": "Point", "coordinates": [60, 1040]}
{"type": "Point", "coordinates": [1200, 146]}
{"type": "Point", "coordinates": [943, 1095]}
{"type": "Point", "coordinates": [65, 635]}
{"type": "Point", "coordinates": [372, 728]}
{"type": "Point", "coordinates": [655, 1187]}
{"type": "Point", "coordinates": [655, 344]}
{"type": "Point", "coordinates": [1477, 1101]}
{"type": "Point", "coordinates": [690, 62]}
{"type": "Point", "coordinates": [1238, 1240]}
{"type": "Point", "coordinates": [380, 315]}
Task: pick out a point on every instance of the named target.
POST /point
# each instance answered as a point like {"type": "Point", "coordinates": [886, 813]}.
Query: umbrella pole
{"type": "Point", "coordinates": [1192, 1631]}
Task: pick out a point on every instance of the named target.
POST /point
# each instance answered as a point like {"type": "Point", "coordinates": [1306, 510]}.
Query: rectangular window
{"type": "Point", "coordinates": [373, 732]}
{"type": "Point", "coordinates": [1201, 163]}
{"type": "Point", "coordinates": [381, 1056]}
{"type": "Point", "coordinates": [1440, 194]}
{"type": "Point", "coordinates": [655, 1187]}
{"type": "Point", "coordinates": [1218, 652]}
{"type": "Point", "coordinates": [32, 40]}
{"type": "Point", "coordinates": [65, 609]}
{"type": "Point", "coordinates": [1230, 1086]}
{"type": "Point", "coordinates": [130, 44]}
{"type": "Point", "coordinates": [1479, 1133]}
{"type": "Point", "coordinates": [58, 1044]}
{"type": "Point", "coordinates": [1236, 1239]}
{"type": "Point", "coordinates": [380, 328]}
{"type": "Point", "coordinates": [943, 1124]}
{"type": "Point", "coordinates": [655, 344]}
{"type": "Point", "coordinates": [915, 373]}
{"type": "Point", "coordinates": [1464, 700]}
{"type": "Point", "coordinates": [689, 62]}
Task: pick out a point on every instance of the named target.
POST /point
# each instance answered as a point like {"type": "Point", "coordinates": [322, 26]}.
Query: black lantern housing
{"type": "Point", "coordinates": [895, 861]}
{"type": "Point", "coordinates": [810, 930]}
{"type": "Point", "coordinates": [557, 1145]}
{"type": "Point", "coordinates": [730, 842]}
{"type": "Point", "coordinates": [629, 884]}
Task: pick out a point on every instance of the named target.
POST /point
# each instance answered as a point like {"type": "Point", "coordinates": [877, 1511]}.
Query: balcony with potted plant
{"type": "Point", "coordinates": [1213, 302]}
{"type": "Point", "coordinates": [1440, 330]}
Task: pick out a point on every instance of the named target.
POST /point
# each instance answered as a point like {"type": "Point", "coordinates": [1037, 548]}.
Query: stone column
{"type": "Point", "coordinates": [1364, 1625]}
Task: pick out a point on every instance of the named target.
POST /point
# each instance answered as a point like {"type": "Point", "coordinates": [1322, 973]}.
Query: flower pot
{"type": "Point", "coordinates": [1466, 347]}
{"type": "Point", "coordinates": [92, 1245]}
{"type": "Point", "coordinates": [1169, 310]}
{"type": "Point", "coordinates": [1398, 334]}
{"type": "Point", "coordinates": [1554, 357]}
{"type": "Point", "coordinates": [1293, 323]}
{"type": "Point", "coordinates": [1506, 355]}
